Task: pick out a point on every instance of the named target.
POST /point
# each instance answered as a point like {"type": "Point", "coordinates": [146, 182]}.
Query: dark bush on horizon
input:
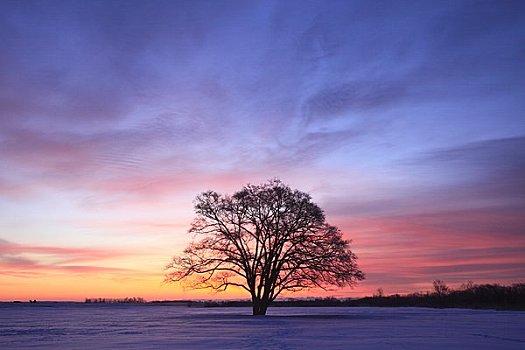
{"type": "Point", "coordinates": [469, 296]}
{"type": "Point", "coordinates": [133, 300]}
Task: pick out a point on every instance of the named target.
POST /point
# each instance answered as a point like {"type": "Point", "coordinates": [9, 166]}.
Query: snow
{"type": "Point", "coordinates": [149, 326]}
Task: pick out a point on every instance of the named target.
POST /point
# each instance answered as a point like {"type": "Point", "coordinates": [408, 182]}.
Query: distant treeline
{"type": "Point", "coordinates": [133, 300]}
{"type": "Point", "coordinates": [469, 295]}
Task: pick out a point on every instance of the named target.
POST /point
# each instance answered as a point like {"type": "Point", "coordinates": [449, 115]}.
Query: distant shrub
{"type": "Point", "coordinates": [440, 288]}
{"type": "Point", "coordinates": [469, 295]}
{"type": "Point", "coordinates": [133, 300]}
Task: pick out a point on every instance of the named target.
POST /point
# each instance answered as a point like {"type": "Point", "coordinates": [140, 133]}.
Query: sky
{"type": "Point", "coordinates": [403, 120]}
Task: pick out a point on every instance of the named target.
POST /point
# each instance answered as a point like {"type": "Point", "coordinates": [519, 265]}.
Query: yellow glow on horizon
{"type": "Point", "coordinates": [77, 288]}
{"type": "Point", "coordinates": [80, 287]}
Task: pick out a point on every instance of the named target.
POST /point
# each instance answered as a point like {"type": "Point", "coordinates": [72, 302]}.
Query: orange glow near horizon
{"type": "Point", "coordinates": [398, 254]}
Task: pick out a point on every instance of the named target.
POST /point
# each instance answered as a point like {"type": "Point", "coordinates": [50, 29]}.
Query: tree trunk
{"type": "Point", "coordinates": [259, 307]}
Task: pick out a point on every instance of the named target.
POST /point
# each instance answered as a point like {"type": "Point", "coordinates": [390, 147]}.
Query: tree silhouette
{"type": "Point", "coordinates": [440, 288]}
{"type": "Point", "coordinates": [266, 239]}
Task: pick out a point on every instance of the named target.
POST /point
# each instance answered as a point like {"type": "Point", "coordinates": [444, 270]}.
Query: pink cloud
{"type": "Point", "coordinates": [14, 190]}
{"type": "Point", "coordinates": [405, 252]}
{"type": "Point", "coordinates": [83, 253]}
{"type": "Point", "coordinates": [26, 260]}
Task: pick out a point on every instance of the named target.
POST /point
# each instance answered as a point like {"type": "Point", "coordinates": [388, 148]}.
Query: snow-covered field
{"type": "Point", "coordinates": [92, 326]}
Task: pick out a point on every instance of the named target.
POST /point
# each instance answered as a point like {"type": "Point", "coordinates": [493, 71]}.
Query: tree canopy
{"type": "Point", "coordinates": [266, 239]}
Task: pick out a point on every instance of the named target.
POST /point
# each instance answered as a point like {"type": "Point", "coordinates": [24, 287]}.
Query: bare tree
{"type": "Point", "coordinates": [440, 288]}
{"type": "Point", "coordinates": [467, 285]}
{"type": "Point", "coordinates": [266, 239]}
{"type": "Point", "coordinates": [379, 293]}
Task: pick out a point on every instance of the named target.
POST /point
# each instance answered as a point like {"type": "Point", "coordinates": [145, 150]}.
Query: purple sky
{"type": "Point", "coordinates": [404, 120]}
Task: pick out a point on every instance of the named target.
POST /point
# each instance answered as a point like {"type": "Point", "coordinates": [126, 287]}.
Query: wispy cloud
{"type": "Point", "coordinates": [465, 225]}
{"type": "Point", "coordinates": [29, 260]}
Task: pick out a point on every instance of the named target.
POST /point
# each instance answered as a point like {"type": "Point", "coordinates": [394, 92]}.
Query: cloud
{"type": "Point", "coordinates": [483, 170]}
{"type": "Point", "coordinates": [487, 157]}
{"type": "Point", "coordinates": [13, 190]}
{"type": "Point", "coordinates": [461, 218]}
{"type": "Point", "coordinates": [353, 96]}
{"type": "Point", "coordinates": [76, 254]}
{"type": "Point", "coordinates": [59, 69]}
{"type": "Point", "coordinates": [483, 174]}
{"type": "Point", "coordinates": [417, 55]}
{"type": "Point", "coordinates": [177, 82]}
{"type": "Point", "coordinates": [25, 260]}
{"type": "Point", "coordinates": [73, 159]}
{"type": "Point", "coordinates": [402, 252]}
